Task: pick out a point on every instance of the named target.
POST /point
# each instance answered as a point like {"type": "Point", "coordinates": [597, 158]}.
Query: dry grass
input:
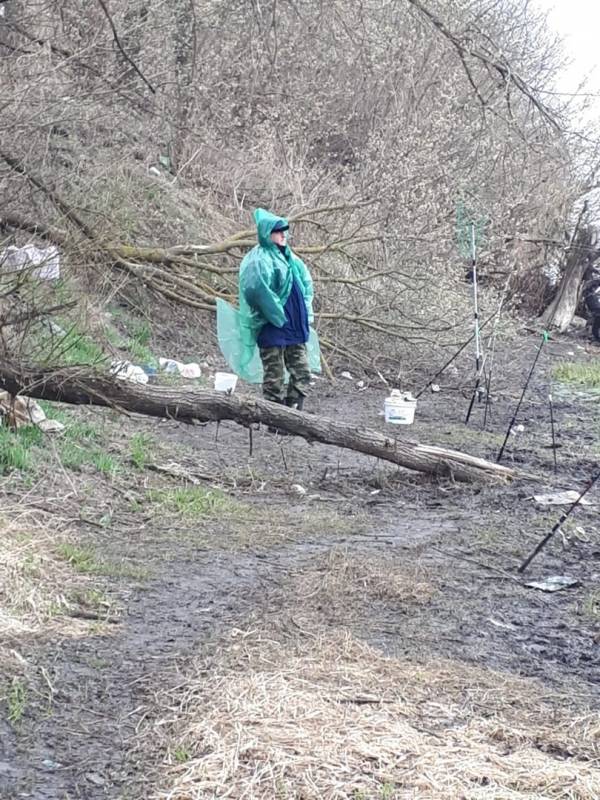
{"type": "Point", "coordinates": [330, 717]}
{"type": "Point", "coordinates": [311, 713]}
{"type": "Point", "coordinates": [37, 585]}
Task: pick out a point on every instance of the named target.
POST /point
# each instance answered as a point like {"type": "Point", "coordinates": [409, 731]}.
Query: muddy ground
{"type": "Point", "coordinates": [153, 580]}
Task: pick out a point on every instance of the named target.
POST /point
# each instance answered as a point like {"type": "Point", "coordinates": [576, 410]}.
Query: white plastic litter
{"type": "Point", "coordinates": [561, 498]}
{"type": "Point", "coordinates": [554, 583]}
{"type": "Point", "coordinates": [225, 382]}
{"type": "Point", "coordinates": [44, 263]}
{"type": "Point", "coordinates": [347, 376]}
{"type": "Point", "coordinates": [126, 371]}
{"type": "Point", "coordinates": [191, 370]}
{"type": "Point", "coordinates": [435, 388]}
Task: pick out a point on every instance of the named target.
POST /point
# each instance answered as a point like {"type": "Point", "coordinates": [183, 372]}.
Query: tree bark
{"type": "Point", "coordinates": [561, 310]}
{"type": "Point", "coordinates": [77, 385]}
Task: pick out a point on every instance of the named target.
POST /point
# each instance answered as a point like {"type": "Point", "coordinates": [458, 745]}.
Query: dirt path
{"type": "Point", "coordinates": [262, 556]}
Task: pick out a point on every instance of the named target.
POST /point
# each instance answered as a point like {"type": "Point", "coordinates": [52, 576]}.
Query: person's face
{"type": "Point", "coordinates": [279, 237]}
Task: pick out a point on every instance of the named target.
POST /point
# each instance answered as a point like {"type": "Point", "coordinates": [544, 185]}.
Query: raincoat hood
{"type": "Point", "coordinates": [265, 222]}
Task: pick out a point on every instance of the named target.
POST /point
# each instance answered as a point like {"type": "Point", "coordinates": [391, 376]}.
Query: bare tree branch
{"type": "Point", "coordinates": [120, 46]}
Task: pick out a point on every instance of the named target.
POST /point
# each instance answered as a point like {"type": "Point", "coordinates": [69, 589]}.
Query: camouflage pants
{"type": "Point", "coordinates": [294, 358]}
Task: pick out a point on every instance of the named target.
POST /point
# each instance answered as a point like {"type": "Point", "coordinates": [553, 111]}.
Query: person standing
{"type": "Point", "coordinates": [276, 296]}
{"type": "Point", "coordinates": [591, 297]}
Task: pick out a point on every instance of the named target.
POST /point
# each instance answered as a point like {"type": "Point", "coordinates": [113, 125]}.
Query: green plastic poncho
{"type": "Point", "coordinates": [266, 277]}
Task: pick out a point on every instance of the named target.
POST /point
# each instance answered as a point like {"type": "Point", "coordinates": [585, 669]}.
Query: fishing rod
{"type": "Point", "coordinates": [540, 546]}
{"type": "Point", "coordinates": [476, 389]}
{"type": "Point", "coordinates": [552, 428]}
{"type": "Point", "coordinates": [455, 356]}
{"type": "Point", "coordinates": [514, 417]}
{"type": "Point", "coordinates": [491, 346]}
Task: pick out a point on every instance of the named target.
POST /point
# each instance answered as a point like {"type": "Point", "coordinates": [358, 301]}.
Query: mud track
{"type": "Point", "coordinates": [91, 688]}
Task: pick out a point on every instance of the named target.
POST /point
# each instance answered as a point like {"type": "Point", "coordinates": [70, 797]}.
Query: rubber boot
{"type": "Point", "coordinates": [296, 402]}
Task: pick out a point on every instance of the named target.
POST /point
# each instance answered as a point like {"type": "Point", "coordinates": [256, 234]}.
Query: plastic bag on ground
{"type": "Point", "coordinates": [125, 371]}
{"type": "Point", "coordinates": [20, 411]}
{"type": "Point", "coordinates": [191, 370]}
{"type": "Point", "coordinates": [43, 262]}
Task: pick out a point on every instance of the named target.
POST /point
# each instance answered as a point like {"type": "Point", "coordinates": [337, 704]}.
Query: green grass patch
{"type": "Point", "coordinates": [76, 455]}
{"type": "Point", "coordinates": [182, 754]}
{"type": "Point", "coordinates": [578, 373]}
{"type": "Point", "coordinates": [81, 445]}
{"type": "Point", "coordinates": [140, 332]}
{"type": "Point", "coordinates": [16, 701]}
{"type": "Point", "coordinates": [16, 448]}
{"type": "Point", "coordinates": [86, 561]}
{"type": "Point", "coordinates": [52, 412]}
{"type": "Point", "coordinates": [135, 342]}
{"type": "Point", "coordinates": [71, 348]}
{"type": "Point", "coordinates": [193, 502]}
{"type": "Point", "coordinates": [140, 445]}
{"type": "Point", "coordinates": [590, 607]}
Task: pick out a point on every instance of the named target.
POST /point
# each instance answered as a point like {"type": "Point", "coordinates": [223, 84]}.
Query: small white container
{"type": "Point", "coordinates": [399, 408]}
{"type": "Point", "coordinates": [225, 382]}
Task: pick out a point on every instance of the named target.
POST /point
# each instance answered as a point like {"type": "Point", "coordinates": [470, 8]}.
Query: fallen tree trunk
{"type": "Point", "coordinates": [78, 386]}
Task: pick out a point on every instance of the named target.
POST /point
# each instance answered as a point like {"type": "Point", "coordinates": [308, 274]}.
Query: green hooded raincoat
{"type": "Point", "coordinates": [266, 277]}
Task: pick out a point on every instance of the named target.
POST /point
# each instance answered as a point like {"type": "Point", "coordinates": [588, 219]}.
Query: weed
{"type": "Point", "coordinates": [98, 663]}
{"type": "Point", "coordinates": [587, 375]}
{"type": "Point", "coordinates": [17, 701]}
{"type": "Point", "coordinates": [71, 348]}
{"type": "Point", "coordinates": [136, 344]}
{"type": "Point", "coordinates": [590, 607]}
{"type": "Point", "coordinates": [77, 449]}
{"type": "Point", "coordinates": [85, 561]}
{"type": "Point", "coordinates": [139, 445]}
{"type": "Point", "coordinates": [141, 332]}
{"type": "Point", "coordinates": [193, 501]}
{"type": "Point", "coordinates": [104, 462]}
{"type": "Point", "coordinates": [15, 447]}
{"type": "Point", "coordinates": [141, 354]}
{"type": "Point", "coordinates": [92, 598]}
{"type": "Point", "coordinates": [82, 431]}
{"type": "Point", "coordinates": [182, 754]}
{"type": "Point", "coordinates": [52, 412]}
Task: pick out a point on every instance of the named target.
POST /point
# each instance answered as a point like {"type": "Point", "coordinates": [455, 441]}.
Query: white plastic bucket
{"type": "Point", "coordinates": [400, 408]}
{"type": "Point", "coordinates": [225, 382]}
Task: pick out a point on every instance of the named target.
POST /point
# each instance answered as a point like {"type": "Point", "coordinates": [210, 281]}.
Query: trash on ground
{"type": "Point", "coordinates": [347, 376]}
{"type": "Point", "coordinates": [225, 382]}
{"type": "Point", "coordinates": [126, 371]}
{"type": "Point", "coordinates": [44, 262]}
{"type": "Point", "coordinates": [170, 366]}
{"type": "Point", "coordinates": [297, 489]}
{"type": "Point", "coordinates": [561, 498]}
{"type": "Point", "coordinates": [20, 411]}
{"type": "Point", "coordinates": [435, 388]}
{"type": "Point", "coordinates": [554, 583]}
{"type": "Point", "coordinates": [178, 471]}
{"type": "Point", "coordinates": [399, 408]}
{"type": "Point", "coordinates": [50, 426]}
{"type": "Point", "coordinates": [507, 626]}
{"type": "Point", "coordinates": [517, 429]}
